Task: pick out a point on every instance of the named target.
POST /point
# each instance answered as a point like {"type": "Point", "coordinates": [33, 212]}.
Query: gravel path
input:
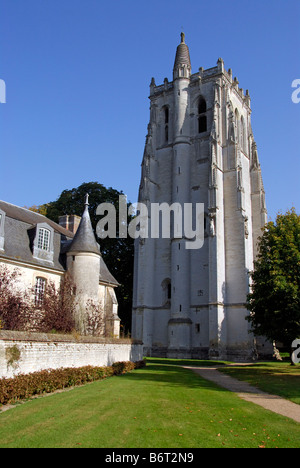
{"type": "Point", "coordinates": [247, 392]}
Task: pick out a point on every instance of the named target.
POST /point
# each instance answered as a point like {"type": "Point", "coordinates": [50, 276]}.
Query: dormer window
{"type": "Point", "coordinates": [44, 239]}
{"type": "Point", "coordinates": [43, 242]}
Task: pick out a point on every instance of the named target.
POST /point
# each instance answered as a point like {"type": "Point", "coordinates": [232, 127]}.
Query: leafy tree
{"type": "Point", "coordinates": [58, 307]}
{"type": "Point", "coordinates": [274, 301]}
{"type": "Point", "coordinates": [18, 311]}
{"type": "Point", "coordinates": [117, 253]}
{"type": "Point", "coordinates": [14, 304]}
{"type": "Point", "coordinates": [41, 209]}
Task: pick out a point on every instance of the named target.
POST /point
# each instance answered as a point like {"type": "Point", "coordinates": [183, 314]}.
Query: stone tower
{"type": "Point", "coordinates": [199, 149]}
{"type": "Point", "coordinates": [83, 264]}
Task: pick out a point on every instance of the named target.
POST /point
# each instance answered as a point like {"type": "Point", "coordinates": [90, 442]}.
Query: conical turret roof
{"type": "Point", "coordinates": [84, 239]}
{"type": "Point", "coordinates": [182, 54]}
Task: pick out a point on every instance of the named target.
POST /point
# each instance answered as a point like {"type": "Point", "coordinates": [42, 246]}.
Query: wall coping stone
{"type": "Point", "coordinates": [9, 335]}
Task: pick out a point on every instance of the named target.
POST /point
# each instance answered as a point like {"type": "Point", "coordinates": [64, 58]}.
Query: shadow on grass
{"type": "Point", "coordinates": [185, 362]}
{"type": "Point", "coordinates": [276, 378]}
{"type": "Point", "coordinates": [166, 375]}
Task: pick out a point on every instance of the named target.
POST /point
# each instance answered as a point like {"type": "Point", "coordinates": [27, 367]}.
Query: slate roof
{"type": "Point", "coordinates": [31, 218]}
{"type": "Point", "coordinates": [84, 239]}
{"type": "Point", "coordinates": [105, 275]}
{"type": "Point", "coordinates": [19, 226]}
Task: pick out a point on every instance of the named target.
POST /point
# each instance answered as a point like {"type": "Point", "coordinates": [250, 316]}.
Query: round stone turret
{"type": "Point", "coordinates": [83, 264]}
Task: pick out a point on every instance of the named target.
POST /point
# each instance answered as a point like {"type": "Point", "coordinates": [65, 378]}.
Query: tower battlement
{"type": "Point", "coordinates": [204, 75]}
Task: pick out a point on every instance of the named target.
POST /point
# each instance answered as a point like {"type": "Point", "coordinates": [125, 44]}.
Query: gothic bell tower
{"type": "Point", "coordinates": [199, 149]}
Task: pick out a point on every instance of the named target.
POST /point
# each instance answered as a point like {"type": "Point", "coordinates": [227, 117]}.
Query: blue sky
{"type": "Point", "coordinates": [77, 76]}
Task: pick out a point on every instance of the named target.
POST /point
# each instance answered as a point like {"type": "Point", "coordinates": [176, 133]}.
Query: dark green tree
{"type": "Point", "coordinates": [117, 253]}
{"type": "Point", "coordinates": [274, 301]}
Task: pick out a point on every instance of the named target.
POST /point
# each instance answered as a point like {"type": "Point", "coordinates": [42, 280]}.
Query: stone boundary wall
{"type": "Point", "coordinates": [23, 352]}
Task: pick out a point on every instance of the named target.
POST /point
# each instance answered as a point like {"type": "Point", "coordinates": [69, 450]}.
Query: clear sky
{"type": "Point", "coordinates": [77, 76]}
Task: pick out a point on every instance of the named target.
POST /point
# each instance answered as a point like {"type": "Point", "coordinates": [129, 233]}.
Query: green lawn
{"type": "Point", "coordinates": [277, 378]}
{"type": "Point", "coordinates": [160, 406]}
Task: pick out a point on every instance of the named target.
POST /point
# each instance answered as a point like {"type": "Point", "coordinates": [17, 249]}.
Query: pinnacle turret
{"type": "Point", "coordinates": [182, 66]}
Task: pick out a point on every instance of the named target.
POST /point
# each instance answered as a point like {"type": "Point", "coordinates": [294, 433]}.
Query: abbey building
{"type": "Point", "coordinates": [44, 252]}
{"type": "Point", "coordinates": [199, 149]}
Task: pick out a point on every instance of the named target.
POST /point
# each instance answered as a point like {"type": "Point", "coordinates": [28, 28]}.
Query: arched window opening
{"type": "Point", "coordinates": [166, 115]}
{"type": "Point", "coordinates": [202, 119]}
{"type": "Point", "coordinates": [202, 106]}
{"type": "Point", "coordinates": [166, 133]}
{"type": "Point", "coordinates": [243, 134]}
{"type": "Point", "coordinates": [202, 122]}
{"type": "Point", "coordinates": [167, 292]}
{"type": "Point", "coordinates": [237, 126]}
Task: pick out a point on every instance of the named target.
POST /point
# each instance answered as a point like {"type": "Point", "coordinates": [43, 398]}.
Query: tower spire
{"type": "Point", "coordinates": [182, 66]}
{"type": "Point", "coordinates": [84, 239]}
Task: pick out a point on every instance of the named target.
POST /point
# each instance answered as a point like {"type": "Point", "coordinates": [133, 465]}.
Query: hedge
{"type": "Point", "coordinates": [25, 386]}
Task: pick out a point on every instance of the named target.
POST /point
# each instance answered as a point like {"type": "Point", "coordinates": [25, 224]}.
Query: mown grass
{"type": "Point", "coordinates": [185, 362]}
{"type": "Point", "coordinates": [278, 378]}
{"type": "Point", "coordinates": [160, 406]}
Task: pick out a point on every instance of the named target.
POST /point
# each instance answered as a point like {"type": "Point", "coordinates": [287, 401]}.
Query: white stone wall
{"type": "Point", "coordinates": [28, 274]}
{"type": "Point", "coordinates": [22, 353]}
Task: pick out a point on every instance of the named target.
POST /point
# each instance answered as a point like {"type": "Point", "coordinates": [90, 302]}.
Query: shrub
{"type": "Point", "coordinates": [14, 303]}
{"type": "Point", "coordinates": [18, 312]}
{"type": "Point", "coordinates": [57, 308]}
{"type": "Point", "coordinates": [122, 367]}
{"type": "Point", "coordinates": [126, 366]}
{"type": "Point", "coordinates": [140, 364]}
{"type": "Point", "coordinates": [25, 386]}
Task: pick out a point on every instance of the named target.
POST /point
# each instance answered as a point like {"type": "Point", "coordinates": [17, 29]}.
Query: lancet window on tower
{"type": "Point", "coordinates": [240, 126]}
{"type": "Point", "coordinates": [166, 112]}
{"type": "Point", "coordinates": [169, 288]}
{"type": "Point", "coordinates": [167, 291]}
{"type": "Point", "coordinates": [237, 126]}
{"type": "Point", "coordinates": [202, 119]}
{"type": "Point", "coordinates": [243, 135]}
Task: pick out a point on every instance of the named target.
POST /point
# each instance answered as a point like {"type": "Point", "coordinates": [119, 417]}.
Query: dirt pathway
{"type": "Point", "coordinates": [247, 392]}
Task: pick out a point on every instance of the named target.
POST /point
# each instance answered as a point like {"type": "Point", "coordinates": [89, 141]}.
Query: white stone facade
{"type": "Point", "coordinates": [199, 149]}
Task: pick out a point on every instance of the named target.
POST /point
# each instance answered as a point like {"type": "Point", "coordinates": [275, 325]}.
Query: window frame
{"type": "Point", "coordinates": [44, 239]}
{"type": "Point", "coordinates": [39, 290]}
{"type": "Point", "coordinates": [43, 242]}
